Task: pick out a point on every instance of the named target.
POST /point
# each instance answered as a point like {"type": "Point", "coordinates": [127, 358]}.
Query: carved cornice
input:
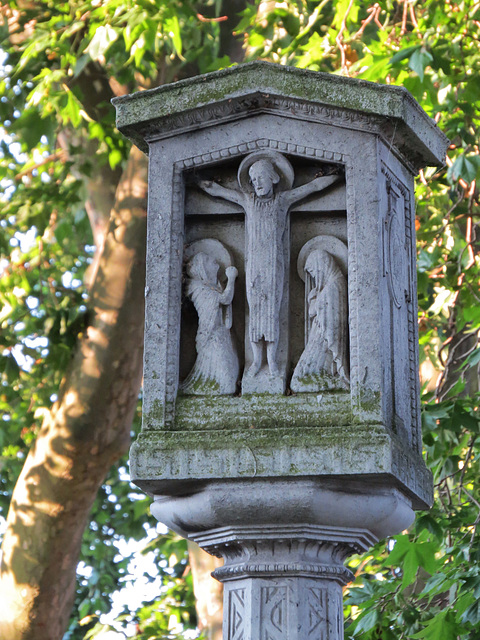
{"type": "Point", "coordinates": [284, 551]}
{"type": "Point", "coordinates": [389, 129]}
{"type": "Point", "coordinates": [237, 150]}
{"type": "Point", "coordinates": [252, 88]}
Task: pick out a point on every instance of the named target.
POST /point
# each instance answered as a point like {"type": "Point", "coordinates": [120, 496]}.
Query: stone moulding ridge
{"type": "Point", "coordinates": [303, 532]}
{"type": "Point", "coordinates": [295, 569]}
{"type": "Point", "coordinates": [299, 550]}
{"type": "Point", "coordinates": [243, 454]}
{"type": "Point", "coordinates": [411, 149]}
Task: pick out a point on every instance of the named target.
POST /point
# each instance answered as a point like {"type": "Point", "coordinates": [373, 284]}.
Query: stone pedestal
{"type": "Point", "coordinates": [281, 417]}
{"type": "Point", "coordinates": [284, 547]}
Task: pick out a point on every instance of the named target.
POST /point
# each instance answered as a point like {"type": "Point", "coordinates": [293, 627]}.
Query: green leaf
{"type": "Point", "coordinates": [472, 614]}
{"type": "Point", "coordinates": [80, 65]}
{"type": "Point", "coordinates": [410, 556]}
{"type": "Point", "coordinates": [436, 583]}
{"type": "Point", "coordinates": [419, 60]}
{"type": "Point", "coordinates": [367, 621]}
{"type": "Point", "coordinates": [473, 359]}
{"type": "Point", "coordinates": [442, 626]}
{"type": "Point", "coordinates": [172, 27]}
{"type": "Point", "coordinates": [404, 53]}
{"type": "Point", "coordinates": [101, 41]}
{"type": "Point", "coordinates": [114, 158]}
{"type": "Point", "coordinates": [466, 167]}
{"type": "Point", "coordinates": [291, 23]}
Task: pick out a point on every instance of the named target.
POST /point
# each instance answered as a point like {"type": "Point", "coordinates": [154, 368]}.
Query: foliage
{"type": "Point", "coordinates": [422, 584]}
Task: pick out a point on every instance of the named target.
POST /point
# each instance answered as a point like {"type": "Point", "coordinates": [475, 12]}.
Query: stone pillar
{"type": "Point", "coordinates": [284, 582]}
{"type": "Point", "coordinates": [281, 417]}
{"type": "Point", "coordinates": [284, 548]}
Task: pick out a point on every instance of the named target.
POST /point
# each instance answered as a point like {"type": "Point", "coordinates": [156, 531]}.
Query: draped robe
{"type": "Point", "coordinates": [265, 223]}
{"type": "Point", "coordinates": [216, 368]}
{"type": "Point", "coordinates": [323, 363]}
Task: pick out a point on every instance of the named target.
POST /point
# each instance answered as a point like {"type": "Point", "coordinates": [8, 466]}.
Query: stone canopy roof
{"type": "Point", "coordinates": [262, 87]}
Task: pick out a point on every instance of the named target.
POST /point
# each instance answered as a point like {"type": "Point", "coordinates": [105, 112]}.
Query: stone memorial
{"type": "Point", "coordinates": [281, 426]}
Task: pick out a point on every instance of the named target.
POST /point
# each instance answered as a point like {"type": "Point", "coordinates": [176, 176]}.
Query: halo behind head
{"type": "Point", "coordinates": [282, 167]}
{"type": "Point", "coordinates": [332, 245]}
{"type": "Point", "coordinates": [211, 247]}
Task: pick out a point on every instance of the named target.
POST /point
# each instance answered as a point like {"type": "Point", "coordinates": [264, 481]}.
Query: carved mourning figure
{"type": "Point", "coordinates": [216, 368]}
{"type": "Point", "coordinates": [323, 364]}
{"type": "Point", "coordinates": [266, 195]}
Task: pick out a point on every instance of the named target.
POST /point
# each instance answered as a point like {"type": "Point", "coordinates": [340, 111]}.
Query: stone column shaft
{"type": "Point", "coordinates": [283, 583]}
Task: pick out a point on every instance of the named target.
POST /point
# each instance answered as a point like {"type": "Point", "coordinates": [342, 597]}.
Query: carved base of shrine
{"type": "Point", "coordinates": [263, 382]}
{"type": "Point", "coordinates": [283, 582]}
{"type": "Point", "coordinates": [284, 542]}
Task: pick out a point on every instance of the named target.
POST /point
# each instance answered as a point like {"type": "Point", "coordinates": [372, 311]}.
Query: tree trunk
{"type": "Point", "coordinates": [461, 342]}
{"type": "Point", "coordinates": [86, 431]}
{"type": "Point", "coordinates": [208, 591]}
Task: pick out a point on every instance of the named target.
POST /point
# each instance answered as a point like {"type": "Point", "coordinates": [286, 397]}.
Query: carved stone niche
{"type": "Point", "coordinates": [281, 423]}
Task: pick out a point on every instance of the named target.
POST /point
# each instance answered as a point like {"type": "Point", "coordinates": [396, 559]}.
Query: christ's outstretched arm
{"type": "Point", "coordinates": [216, 190]}
{"type": "Point", "coordinates": [319, 184]}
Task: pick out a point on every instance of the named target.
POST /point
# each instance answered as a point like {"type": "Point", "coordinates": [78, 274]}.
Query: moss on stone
{"type": "Point", "coordinates": [139, 112]}
{"type": "Point", "coordinates": [204, 386]}
{"type": "Point", "coordinates": [370, 401]}
{"type": "Point", "coordinates": [216, 439]}
{"type": "Point", "coordinates": [262, 411]}
{"type": "Point", "coordinates": [155, 417]}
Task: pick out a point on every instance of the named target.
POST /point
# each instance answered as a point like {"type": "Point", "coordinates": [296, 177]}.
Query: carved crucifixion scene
{"type": "Point", "coordinates": [294, 323]}
{"type": "Point", "coordinates": [281, 416]}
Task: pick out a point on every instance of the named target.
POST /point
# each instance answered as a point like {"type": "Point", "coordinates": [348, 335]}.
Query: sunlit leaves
{"type": "Point", "coordinates": [101, 41]}
{"type": "Point", "coordinates": [419, 60]}
{"type": "Point", "coordinates": [442, 625]}
{"type": "Point", "coordinates": [427, 584]}
{"type": "Point", "coordinates": [410, 556]}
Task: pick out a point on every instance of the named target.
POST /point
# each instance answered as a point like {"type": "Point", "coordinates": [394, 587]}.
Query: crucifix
{"type": "Point", "coordinates": [266, 196]}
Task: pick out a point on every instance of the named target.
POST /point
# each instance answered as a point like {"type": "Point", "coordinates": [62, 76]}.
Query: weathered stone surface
{"type": "Point", "coordinates": [284, 582]}
{"type": "Point", "coordinates": [265, 87]}
{"type": "Point", "coordinates": [281, 421]}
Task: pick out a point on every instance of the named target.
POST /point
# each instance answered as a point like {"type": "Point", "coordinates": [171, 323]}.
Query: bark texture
{"type": "Point", "coordinates": [87, 430]}
{"type": "Point", "coordinates": [208, 592]}
{"type": "Point", "coordinates": [461, 341]}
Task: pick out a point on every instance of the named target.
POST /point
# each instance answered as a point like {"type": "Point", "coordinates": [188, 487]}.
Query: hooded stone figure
{"type": "Point", "coordinates": [216, 368]}
{"type": "Point", "coordinates": [323, 363]}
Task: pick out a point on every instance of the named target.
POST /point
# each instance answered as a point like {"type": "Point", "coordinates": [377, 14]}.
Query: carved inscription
{"type": "Point", "coordinates": [236, 614]}
{"type": "Point", "coordinates": [317, 614]}
{"type": "Point", "coordinates": [396, 251]}
{"type": "Point", "coordinates": [273, 613]}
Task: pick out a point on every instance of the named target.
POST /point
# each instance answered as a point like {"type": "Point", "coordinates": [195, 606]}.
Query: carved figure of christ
{"type": "Point", "coordinates": [266, 214]}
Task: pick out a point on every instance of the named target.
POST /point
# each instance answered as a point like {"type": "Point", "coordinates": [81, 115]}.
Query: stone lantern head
{"type": "Point", "coordinates": [281, 393]}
